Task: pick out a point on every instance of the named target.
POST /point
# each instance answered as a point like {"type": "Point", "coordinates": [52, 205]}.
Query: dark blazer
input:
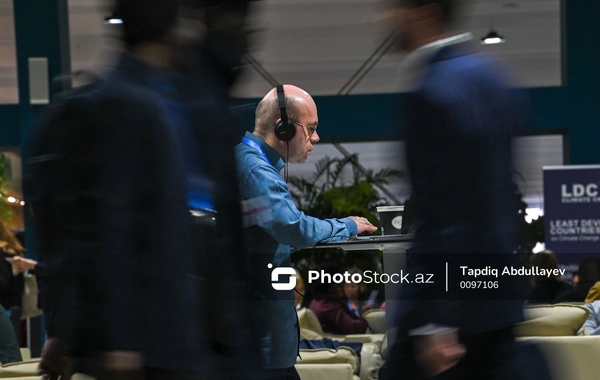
{"type": "Point", "coordinates": [114, 228]}
{"type": "Point", "coordinates": [219, 250]}
{"type": "Point", "coordinates": [458, 134]}
{"type": "Point", "coordinates": [11, 287]}
{"type": "Point", "coordinates": [546, 291]}
{"type": "Point", "coordinates": [458, 148]}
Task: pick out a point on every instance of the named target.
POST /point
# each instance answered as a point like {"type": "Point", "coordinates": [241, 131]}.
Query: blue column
{"type": "Point", "coordinates": [41, 30]}
{"type": "Point", "coordinates": [583, 79]}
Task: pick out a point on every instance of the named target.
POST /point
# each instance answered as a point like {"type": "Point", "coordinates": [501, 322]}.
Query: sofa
{"type": "Point", "coordinates": [554, 329]}
{"type": "Point", "coordinates": [370, 355]}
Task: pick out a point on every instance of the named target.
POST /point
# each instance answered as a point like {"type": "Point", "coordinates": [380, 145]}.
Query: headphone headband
{"type": "Point", "coordinates": [281, 99]}
{"type": "Point", "coordinates": [284, 129]}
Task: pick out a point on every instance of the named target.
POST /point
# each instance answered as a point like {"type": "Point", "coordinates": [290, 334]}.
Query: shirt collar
{"type": "Point", "coordinates": [414, 62]}
{"type": "Point", "coordinates": [274, 157]}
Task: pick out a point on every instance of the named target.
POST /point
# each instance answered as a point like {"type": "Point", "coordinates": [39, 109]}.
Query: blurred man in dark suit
{"type": "Point", "coordinates": [461, 121]}
{"type": "Point", "coordinates": [128, 158]}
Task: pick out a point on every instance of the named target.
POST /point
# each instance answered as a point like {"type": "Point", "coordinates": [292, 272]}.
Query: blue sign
{"type": "Point", "coordinates": [572, 209]}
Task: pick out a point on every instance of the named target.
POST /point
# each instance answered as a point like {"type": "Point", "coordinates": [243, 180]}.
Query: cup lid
{"type": "Point", "coordinates": [390, 208]}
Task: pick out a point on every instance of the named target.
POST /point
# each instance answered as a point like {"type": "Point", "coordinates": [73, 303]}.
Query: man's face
{"type": "Point", "coordinates": [306, 134]}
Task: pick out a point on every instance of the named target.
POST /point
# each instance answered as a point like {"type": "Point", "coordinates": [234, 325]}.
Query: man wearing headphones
{"type": "Point", "coordinates": [285, 132]}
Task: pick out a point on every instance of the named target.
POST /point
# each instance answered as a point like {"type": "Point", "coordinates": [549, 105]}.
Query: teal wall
{"type": "Point", "coordinates": [574, 107]}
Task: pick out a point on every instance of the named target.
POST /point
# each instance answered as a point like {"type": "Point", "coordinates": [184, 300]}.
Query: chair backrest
{"type": "Point", "coordinates": [377, 321]}
{"type": "Point", "coordinates": [25, 354]}
{"type": "Point", "coordinates": [308, 320]}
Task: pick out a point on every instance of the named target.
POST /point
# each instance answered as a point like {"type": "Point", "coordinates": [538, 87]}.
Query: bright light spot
{"type": "Point", "coordinates": [11, 199]}
{"type": "Point", "coordinates": [539, 247]}
{"type": "Point", "coordinates": [533, 214]}
{"type": "Point", "coordinates": [493, 41]}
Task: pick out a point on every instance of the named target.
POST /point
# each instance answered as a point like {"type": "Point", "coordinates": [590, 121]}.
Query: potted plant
{"type": "Point", "coordinates": [338, 188]}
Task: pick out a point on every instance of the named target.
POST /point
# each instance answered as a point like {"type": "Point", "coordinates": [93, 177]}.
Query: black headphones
{"type": "Point", "coordinates": [285, 130]}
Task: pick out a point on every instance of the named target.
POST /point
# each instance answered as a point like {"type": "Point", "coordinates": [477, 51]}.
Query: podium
{"type": "Point", "coordinates": [394, 249]}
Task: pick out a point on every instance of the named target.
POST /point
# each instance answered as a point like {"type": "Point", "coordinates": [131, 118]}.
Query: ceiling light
{"type": "Point", "coordinates": [492, 38]}
{"type": "Point", "coordinates": [113, 19]}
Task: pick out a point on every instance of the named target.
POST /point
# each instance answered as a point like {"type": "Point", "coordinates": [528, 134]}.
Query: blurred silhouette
{"type": "Point", "coordinates": [588, 275]}
{"type": "Point", "coordinates": [116, 168]}
{"type": "Point", "coordinates": [543, 288]}
{"type": "Point", "coordinates": [460, 123]}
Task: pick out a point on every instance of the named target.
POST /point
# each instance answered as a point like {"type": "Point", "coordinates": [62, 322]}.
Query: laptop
{"type": "Point", "coordinates": [374, 239]}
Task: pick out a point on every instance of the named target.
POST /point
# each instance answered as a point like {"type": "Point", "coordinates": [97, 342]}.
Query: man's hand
{"type": "Point", "coordinates": [363, 224]}
{"type": "Point", "coordinates": [22, 264]}
{"type": "Point", "coordinates": [438, 353]}
{"type": "Point", "coordinates": [54, 363]}
{"type": "Point", "coordinates": [122, 365]}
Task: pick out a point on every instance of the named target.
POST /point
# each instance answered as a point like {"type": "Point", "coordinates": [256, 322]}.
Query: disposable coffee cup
{"type": "Point", "coordinates": [391, 219]}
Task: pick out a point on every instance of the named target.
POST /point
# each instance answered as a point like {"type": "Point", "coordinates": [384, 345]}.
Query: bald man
{"type": "Point", "coordinates": [273, 224]}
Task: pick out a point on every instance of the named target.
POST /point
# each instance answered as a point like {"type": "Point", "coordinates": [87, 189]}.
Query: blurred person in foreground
{"type": "Point", "coordinates": [129, 265]}
{"type": "Point", "coordinates": [460, 123]}
{"type": "Point", "coordinates": [285, 132]}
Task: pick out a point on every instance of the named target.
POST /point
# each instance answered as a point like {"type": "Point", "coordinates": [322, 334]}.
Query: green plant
{"type": "Point", "coordinates": [328, 193]}
{"type": "Point", "coordinates": [340, 188]}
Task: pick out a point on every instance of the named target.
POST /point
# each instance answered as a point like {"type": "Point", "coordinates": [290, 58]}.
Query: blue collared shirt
{"type": "Point", "coordinates": [286, 227]}
{"type": "Point", "coordinates": [273, 226]}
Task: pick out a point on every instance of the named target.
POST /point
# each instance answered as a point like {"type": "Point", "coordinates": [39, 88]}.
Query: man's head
{"type": "Point", "coordinates": [146, 21]}
{"type": "Point", "coordinates": [302, 113]}
{"type": "Point", "coordinates": [589, 270]}
{"type": "Point", "coordinates": [185, 25]}
{"type": "Point", "coordinates": [420, 22]}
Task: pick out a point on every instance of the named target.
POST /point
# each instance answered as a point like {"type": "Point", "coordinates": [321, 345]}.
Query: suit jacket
{"type": "Point", "coordinates": [114, 226]}
{"type": "Point", "coordinates": [458, 145]}
{"type": "Point", "coordinates": [219, 249]}
{"type": "Point", "coordinates": [459, 129]}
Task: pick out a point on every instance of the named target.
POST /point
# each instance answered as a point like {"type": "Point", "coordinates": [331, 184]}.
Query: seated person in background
{"type": "Point", "coordinates": [594, 293]}
{"type": "Point", "coordinates": [543, 288]}
{"type": "Point", "coordinates": [592, 324]}
{"type": "Point", "coordinates": [325, 300]}
{"type": "Point", "coordinates": [575, 279]}
{"type": "Point", "coordinates": [11, 282]}
{"type": "Point", "coordinates": [10, 351]}
{"type": "Point", "coordinates": [355, 294]}
{"type": "Point", "coordinates": [589, 274]}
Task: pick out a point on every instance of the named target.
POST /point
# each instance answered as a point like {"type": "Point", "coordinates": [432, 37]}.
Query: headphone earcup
{"type": "Point", "coordinates": [285, 131]}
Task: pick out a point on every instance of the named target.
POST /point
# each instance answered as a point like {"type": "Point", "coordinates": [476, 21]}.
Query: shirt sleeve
{"type": "Point", "coordinates": [592, 323]}
{"type": "Point", "coordinates": [285, 223]}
